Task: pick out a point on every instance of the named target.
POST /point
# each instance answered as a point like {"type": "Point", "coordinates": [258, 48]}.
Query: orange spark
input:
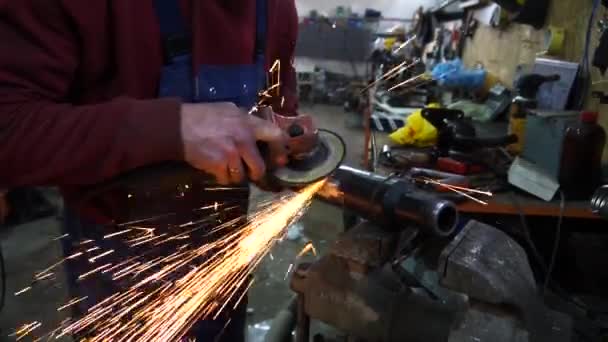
{"type": "Point", "coordinates": [457, 190]}
{"type": "Point", "coordinates": [167, 312]}
{"type": "Point", "coordinates": [72, 302]}
{"type": "Point", "coordinates": [408, 81]}
{"type": "Point", "coordinates": [288, 271]}
{"type": "Point", "coordinates": [61, 237]}
{"type": "Point", "coordinates": [95, 270]}
{"type": "Point", "coordinates": [307, 248]}
{"type": "Point", "coordinates": [26, 329]}
{"type": "Point", "coordinates": [22, 291]}
{"type": "Point", "coordinates": [117, 233]}
{"type": "Point", "coordinates": [391, 73]}
{"type": "Point", "coordinates": [97, 257]}
{"type": "Point", "coordinates": [407, 42]}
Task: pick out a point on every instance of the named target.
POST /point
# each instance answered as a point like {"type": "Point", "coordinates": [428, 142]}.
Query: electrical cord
{"type": "Point", "coordinates": [2, 280]}
{"type": "Point", "coordinates": [559, 291]}
{"type": "Point", "coordinates": [526, 233]}
{"type": "Point", "coordinates": [558, 232]}
{"type": "Point", "coordinates": [547, 269]}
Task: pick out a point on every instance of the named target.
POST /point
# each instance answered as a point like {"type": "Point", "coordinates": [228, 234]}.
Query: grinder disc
{"type": "Point", "coordinates": [320, 163]}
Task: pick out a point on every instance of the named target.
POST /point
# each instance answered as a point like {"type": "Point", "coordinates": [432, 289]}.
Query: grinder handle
{"type": "Point", "coordinates": [166, 174]}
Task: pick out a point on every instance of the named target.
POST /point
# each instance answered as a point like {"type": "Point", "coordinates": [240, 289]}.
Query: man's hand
{"type": "Point", "coordinates": [220, 139]}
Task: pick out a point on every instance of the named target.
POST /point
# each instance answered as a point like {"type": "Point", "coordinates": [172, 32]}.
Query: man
{"type": "Point", "coordinates": [92, 89]}
{"type": "Point", "coordinates": [4, 207]}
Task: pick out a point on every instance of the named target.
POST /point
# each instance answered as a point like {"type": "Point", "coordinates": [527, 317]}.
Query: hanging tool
{"type": "Point", "coordinates": [531, 12]}
{"type": "Point", "coordinates": [600, 57]}
{"type": "Point", "coordinates": [459, 149]}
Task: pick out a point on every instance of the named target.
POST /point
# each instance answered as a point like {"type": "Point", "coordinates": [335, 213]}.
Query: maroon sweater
{"type": "Point", "coordinates": [78, 81]}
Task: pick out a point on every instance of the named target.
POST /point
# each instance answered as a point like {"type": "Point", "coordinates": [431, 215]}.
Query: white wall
{"type": "Point", "coordinates": [389, 8]}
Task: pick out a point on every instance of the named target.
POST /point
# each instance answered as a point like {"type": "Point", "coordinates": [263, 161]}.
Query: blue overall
{"type": "Point", "coordinates": [239, 84]}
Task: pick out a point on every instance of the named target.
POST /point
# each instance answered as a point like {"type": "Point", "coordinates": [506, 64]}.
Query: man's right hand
{"type": "Point", "coordinates": [220, 139]}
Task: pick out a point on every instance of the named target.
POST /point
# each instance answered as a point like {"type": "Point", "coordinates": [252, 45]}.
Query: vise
{"type": "Point", "coordinates": [406, 273]}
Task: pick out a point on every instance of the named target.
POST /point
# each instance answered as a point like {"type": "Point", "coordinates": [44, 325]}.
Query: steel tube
{"type": "Point", "coordinates": [303, 321]}
{"type": "Point", "coordinates": [599, 202]}
{"type": "Point", "coordinates": [283, 323]}
{"type": "Point", "coordinates": [391, 201]}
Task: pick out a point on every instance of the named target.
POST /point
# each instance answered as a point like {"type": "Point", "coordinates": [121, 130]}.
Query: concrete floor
{"type": "Point", "coordinates": [30, 248]}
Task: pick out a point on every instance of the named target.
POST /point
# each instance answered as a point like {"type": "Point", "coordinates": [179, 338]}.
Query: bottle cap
{"type": "Point", "coordinates": [589, 117]}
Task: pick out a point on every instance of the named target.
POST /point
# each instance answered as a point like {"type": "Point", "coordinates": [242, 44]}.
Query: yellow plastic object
{"type": "Point", "coordinates": [389, 42]}
{"type": "Point", "coordinates": [517, 126]}
{"type": "Point", "coordinates": [554, 40]}
{"type": "Point", "coordinates": [416, 132]}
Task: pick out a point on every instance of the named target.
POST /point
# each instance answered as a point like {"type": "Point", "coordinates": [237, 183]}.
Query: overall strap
{"type": "Point", "coordinates": [261, 28]}
{"type": "Point", "coordinates": [176, 37]}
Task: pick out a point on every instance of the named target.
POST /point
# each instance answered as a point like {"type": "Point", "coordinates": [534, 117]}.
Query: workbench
{"type": "Point", "coordinates": [503, 204]}
{"type": "Point", "coordinates": [500, 203]}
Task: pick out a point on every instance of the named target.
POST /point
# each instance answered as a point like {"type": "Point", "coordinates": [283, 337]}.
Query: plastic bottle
{"type": "Point", "coordinates": [581, 162]}
{"type": "Point", "coordinates": [527, 87]}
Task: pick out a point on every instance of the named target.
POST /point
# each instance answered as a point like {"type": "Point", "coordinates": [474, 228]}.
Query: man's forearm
{"type": "Point", "coordinates": [44, 143]}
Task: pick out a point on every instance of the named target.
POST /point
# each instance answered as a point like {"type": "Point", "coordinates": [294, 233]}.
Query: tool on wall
{"type": "Point", "coordinates": [531, 12]}
{"type": "Point", "coordinates": [600, 57]}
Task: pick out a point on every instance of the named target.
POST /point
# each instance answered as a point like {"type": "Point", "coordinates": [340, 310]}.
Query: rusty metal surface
{"type": "Point", "coordinates": [487, 265]}
{"type": "Point", "coordinates": [392, 202]}
{"type": "Point", "coordinates": [355, 288]}
{"type": "Point", "coordinates": [352, 290]}
{"type": "Point", "coordinates": [303, 321]}
{"type": "Point", "coordinates": [365, 246]}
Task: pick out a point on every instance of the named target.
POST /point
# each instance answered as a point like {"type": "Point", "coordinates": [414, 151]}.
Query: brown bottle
{"type": "Point", "coordinates": [581, 162]}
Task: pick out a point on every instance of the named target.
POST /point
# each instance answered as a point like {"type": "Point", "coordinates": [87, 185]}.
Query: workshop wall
{"type": "Point", "coordinates": [501, 52]}
{"type": "Point", "coordinates": [389, 8]}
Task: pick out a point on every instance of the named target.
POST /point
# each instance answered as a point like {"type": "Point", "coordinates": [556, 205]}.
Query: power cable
{"type": "Point", "coordinates": [558, 232]}
{"type": "Point", "coordinates": [2, 279]}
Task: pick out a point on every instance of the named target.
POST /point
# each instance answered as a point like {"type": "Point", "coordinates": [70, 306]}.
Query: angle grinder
{"type": "Point", "coordinates": [313, 154]}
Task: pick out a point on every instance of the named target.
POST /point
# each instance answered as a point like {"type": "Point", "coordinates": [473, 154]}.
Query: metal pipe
{"type": "Point", "coordinates": [283, 323]}
{"type": "Point", "coordinates": [599, 202]}
{"type": "Point", "coordinates": [391, 201]}
{"type": "Point", "coordinates": [303, 326]}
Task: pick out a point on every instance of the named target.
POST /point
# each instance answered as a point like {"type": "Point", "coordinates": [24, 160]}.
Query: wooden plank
{"type": "Point", "coordinates": [503, 206]}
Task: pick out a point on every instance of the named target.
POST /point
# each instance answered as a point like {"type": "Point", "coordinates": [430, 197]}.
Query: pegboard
{"type": "Point", "coordinates": [502, 51]}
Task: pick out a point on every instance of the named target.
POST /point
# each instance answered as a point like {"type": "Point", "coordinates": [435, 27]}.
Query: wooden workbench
{"type": "Point", "coordinates": [503, 204]}
{"type": "Point", "coordinates": [499, 204]}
